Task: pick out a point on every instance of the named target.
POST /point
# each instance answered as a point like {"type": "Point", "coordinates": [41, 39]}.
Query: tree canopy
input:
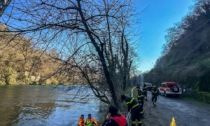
{"type": "Point", "coordinates": [93, 36]}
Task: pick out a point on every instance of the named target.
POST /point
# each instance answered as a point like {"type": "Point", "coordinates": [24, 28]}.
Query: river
{"type": "Point", "coordinates": [46, 105]}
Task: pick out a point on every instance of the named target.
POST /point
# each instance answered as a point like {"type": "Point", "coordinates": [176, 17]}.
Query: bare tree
{"type": "Point", "coordinates": [91, 35]}
{"type": "Point", "coordinates": [3, 5]}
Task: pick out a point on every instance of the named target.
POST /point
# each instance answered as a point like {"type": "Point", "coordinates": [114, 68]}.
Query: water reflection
{"type": "Point", "coordinates": [45, 105]}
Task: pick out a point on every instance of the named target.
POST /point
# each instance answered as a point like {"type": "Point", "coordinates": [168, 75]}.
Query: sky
{"type": "Point", "coordinates": [156, 17]}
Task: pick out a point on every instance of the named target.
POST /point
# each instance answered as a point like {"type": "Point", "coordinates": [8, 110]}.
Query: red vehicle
{"type": "Point", "coordinates": [170, 88]}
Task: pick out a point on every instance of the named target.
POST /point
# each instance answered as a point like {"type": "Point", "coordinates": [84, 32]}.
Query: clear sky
{"type": "Point", "coordinates": [156, 17]}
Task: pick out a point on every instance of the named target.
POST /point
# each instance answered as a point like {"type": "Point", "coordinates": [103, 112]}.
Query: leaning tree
{"type": "Point", "coordinates": [92, 36]}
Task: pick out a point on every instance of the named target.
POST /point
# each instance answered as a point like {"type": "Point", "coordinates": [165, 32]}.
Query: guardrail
{"type": "Point", "coordinates": [128, 118]}
{"type": "Point", "coordinates": [132, 91]}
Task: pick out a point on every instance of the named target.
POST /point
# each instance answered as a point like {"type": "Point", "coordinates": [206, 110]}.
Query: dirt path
{"type": "Point", "coordinates": [185, 112]}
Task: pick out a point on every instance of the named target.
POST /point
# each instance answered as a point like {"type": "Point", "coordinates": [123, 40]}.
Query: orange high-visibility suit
{"type": "Point", "coordinates": [81, 122]}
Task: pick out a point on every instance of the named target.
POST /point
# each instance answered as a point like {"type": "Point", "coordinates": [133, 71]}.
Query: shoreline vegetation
{"type": "Point", "coordinates": [199, 96]}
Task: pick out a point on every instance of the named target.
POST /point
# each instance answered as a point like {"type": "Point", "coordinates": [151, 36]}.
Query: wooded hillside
{"type": "Point", "coordinates": [22, 63]}
{"type": "Point", "coordinates": [186, 56]}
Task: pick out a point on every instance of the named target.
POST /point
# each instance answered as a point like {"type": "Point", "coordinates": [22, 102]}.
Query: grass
{"type": "Point", "coordinates": [202, 96]}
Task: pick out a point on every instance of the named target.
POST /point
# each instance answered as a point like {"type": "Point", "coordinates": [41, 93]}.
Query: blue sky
{"type": "Point", "coordinates": [156, 17]}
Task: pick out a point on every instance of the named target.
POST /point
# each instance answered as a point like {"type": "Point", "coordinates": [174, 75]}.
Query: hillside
{"type": "Point", "coordinates": [23, 63]}
{"type": "Point", "coordinates": [186, 56]}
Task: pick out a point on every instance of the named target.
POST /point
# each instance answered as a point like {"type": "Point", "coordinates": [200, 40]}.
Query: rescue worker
{"type": "Point", "coordinates": [81, 121]}
{"type": "Point", "coordinates": [145, 92]}
{"type": "Point", "coordinates": [141, 102]}
{"type": "Point", "coordinates": [140, 96]}
{"type": "Point", "coordinates": [90, 121]}
{"type": "Point", "coordinates": [134, 108]}
{"type": "Point", "coordinates": [114, 118]}
{"type": "Point", "coordinates": [154, 95]}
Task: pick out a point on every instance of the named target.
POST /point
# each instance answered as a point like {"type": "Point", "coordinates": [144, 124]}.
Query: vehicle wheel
{"type": "Point", "coordinates": [175, 89]}
{"type": "Point", "coordinates": [165, 94]}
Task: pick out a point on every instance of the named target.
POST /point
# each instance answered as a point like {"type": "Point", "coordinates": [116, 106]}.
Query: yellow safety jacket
{"type": "Point", "coordinates": [91, 122]}
{"type": "Point", "coordinates": [131, 102]}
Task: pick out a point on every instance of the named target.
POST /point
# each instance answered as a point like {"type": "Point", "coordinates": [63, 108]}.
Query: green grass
{"type": "Point", "coordinates": [202, 96]}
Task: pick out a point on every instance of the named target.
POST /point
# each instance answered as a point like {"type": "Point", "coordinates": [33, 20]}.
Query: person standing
{"type": "Point", "coordinates": [140, 96]}
{"type": "Point", "coordinates": [134, 108]}
{"type": "Point", "coordinates": [145, 92]}
{"type": "Point", "coordinates": [154, 95]}
{"type": "Point", "coordinates": [81, 121]}
{"type": "Point", "coordinates": [90, 121]}
{"type": "Point", "coordinates": [114, 118]}
{"type": "Point", "coordinates": [141, 102]}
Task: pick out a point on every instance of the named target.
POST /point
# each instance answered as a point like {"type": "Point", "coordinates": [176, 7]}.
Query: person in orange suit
{"type": "Point", "coordinates": [81, 121]}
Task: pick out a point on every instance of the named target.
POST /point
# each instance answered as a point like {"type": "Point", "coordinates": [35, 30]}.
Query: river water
{"type": "Point", "coordinates": [46, 105]}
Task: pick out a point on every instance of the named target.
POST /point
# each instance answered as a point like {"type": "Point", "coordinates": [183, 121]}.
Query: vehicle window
{"type": "Point", "coordinates": [170, 85]}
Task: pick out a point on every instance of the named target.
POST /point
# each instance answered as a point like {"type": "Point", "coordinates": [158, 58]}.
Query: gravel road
{"type": "Point", "coordinates": [185, 112]}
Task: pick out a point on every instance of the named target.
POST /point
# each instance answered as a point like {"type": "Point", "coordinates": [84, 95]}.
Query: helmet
{"type": "Point", "coordinates": [122, 97]}
{"type": "Point", "coordinates": [113, 110]}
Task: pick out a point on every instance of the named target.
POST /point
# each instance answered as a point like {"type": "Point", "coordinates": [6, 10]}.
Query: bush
{"type": "Point", "coordinates": [202, 96]}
